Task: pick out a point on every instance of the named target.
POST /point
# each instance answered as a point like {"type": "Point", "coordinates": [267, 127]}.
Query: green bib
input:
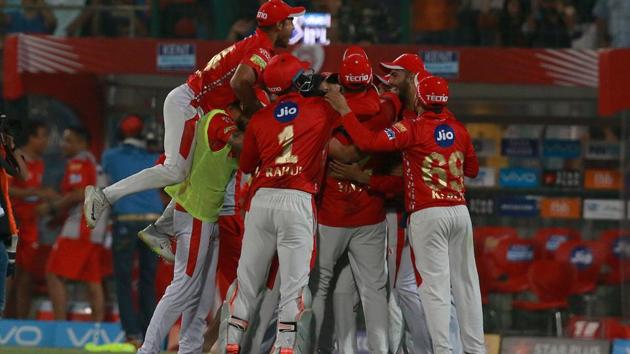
{"type": "Point", "coordinates": [202, 192]}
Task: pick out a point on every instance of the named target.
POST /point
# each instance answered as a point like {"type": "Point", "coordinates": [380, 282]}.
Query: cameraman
{"type": "Point", "coordinates": [9, 165]}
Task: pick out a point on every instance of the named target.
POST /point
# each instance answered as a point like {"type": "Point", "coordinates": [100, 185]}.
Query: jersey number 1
{"type": "Point", "coordinates": [285, 139]}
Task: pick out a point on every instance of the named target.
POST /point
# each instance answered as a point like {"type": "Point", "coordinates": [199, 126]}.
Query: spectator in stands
{"type": "Point", "coordinates": [65, 16]}
{"type": "Point", "coordinates": [435, 21]}
{"type": "Point", "coordinates": [130, 215]}
{"type": "Point", "coordinates": [613, 23]}
{"type": "Point", "coordinates": [115, 22]}
{"type": "Point", "coordinates": [26, 195]}
{"type": "Point", "coordinates": [34, 17]}
{"type": "Point", "coordinates": [549, 24]}
{"type": "Point", "coordinates": [511, 24]}
{"type": "Point", "coordinates": [366, 22]}
{"type": "Point", "coordinates": [76, 254]}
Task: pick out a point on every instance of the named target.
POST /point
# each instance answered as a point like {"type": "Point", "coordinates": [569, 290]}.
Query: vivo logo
{"type": "Point", "coordinates": [94, 335]}
{"type": "Point", "coordinates": [261, 15]}
{"type": "Point", "coordinates": [520, 177]}
{"type": "Point", "coordinates": [357, 78]}
{"type": "Point", "coordinates": [26, 336]}
{"type": "Point", "coordinates": [437, 98]}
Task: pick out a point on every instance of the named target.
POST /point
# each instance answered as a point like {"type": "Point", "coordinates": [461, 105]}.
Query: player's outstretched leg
{"type": "Point", "coordinates": [295, 337]}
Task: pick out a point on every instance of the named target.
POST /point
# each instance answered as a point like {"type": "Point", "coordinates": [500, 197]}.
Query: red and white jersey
{"type": "Point", "coordinates": [24, 208]}
{"type": "Point", "coordinates": [81, 171]}
{"type": "Point", "coordinates": [347, 204]}
{"type": "Point", "coordinates": [211, 85]}
{"type": "Point", "coordinates": [437, 153]}
{"type": "Point", "coordinates": [287, 144]}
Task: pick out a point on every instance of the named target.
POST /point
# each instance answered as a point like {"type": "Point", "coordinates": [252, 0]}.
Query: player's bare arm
{"type": "Point", "coordinates": [343, 153]}
{"type": "Point", "coordinates": [243, 83]}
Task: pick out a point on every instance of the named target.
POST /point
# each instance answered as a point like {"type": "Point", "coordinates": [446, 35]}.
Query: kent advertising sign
{"type": "Point", "coordinates": [176, 56]}
{"type": "Point", "coordinates": [519, 177]}
{"type": "Point", "coordinates": [58, 334]}
{"type": "Point", "coordinates": [533, 345]}
{"type": "Point", "coordinates": [603, 209]}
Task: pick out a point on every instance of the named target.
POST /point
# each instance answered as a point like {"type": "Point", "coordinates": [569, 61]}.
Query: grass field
{"type": "Point", "coordinates": [4, 350]}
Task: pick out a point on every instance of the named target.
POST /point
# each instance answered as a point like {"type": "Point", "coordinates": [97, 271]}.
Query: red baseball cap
{"type": "Point", "coordinates": [406, 61]}
{"type": "Point", "coordinates": [274, 11]}
{"type": "Point", "coordinates": [355, 68]}
{"type": "Point", "coordinates": [432, 91]}
{"type": "Point", "coordinates": [131, 126]}
{"type": "Point", "coordinates": [384, 79]}
{"type": "Point", "coordinates": [281, 70]}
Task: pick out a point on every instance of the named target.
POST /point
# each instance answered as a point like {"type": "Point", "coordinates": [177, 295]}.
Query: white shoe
{"type": "Point", "coordinates": [94, 204]}
{"type": "Point", "coordinates": [158, 242]}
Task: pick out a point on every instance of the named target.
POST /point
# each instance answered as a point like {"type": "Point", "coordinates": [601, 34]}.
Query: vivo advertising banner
{"type": "Point", "coordinates": [542, 345]}
{"type": "Point", "coordinates": [621, 346]}
{"type": "Point", "coordinates": [58, 334]}
{"type": "Point", "coordinates": [519, 177]}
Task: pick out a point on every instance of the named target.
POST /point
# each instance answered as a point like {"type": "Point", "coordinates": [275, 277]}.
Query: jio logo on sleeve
{"type": "Point", "coordinates": [286, 111]}
{"type": "Point", "coordinates": [444, 135]}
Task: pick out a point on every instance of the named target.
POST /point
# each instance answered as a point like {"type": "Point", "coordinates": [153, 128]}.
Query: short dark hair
{"type": "Point", "coordinates": [29, 128]}
{"type": "Point", "coordinates": [82, 132]}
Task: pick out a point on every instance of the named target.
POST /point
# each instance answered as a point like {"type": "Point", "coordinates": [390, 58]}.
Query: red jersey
{"type": "Point", "coordinates": [437, 153]}
{"type": "Point", "coordinates": [211, 85]}
{"type": "Point", "coordinates": [81, 171]}
{"type": "Point", "coordinates": [288, 142]}
{"type": "Point", "coordinates": [347, 204]}
{"type": "Point", "coordinates": [24, 208]}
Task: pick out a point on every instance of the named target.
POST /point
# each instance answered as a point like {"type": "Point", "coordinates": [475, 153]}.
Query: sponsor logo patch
{"type": "Point", "coordinates": [286, 111]}
{"type": "Point", "coordinates": [256, 59]}
{"type": "Point", "coordinates": [444, 135]}
{"type": "Point", "coordinates": [391, 134]}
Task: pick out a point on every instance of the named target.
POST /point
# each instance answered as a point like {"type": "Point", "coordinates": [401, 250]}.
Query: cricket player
{"type": "Point", "coordinates": [76, 254]}
{"type": "Point", "coordinates": [437, 153]}
{"type": "Point", "coordinates": [286, 144]}
{"type": "Point", "coordinates": [200, 199]}
{"type": "Point", "coordinates": [352, 218]}
{"type": "Point", "coordinates": [229, 76]}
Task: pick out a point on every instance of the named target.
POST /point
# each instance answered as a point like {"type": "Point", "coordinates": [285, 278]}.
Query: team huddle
{"type": "Point", "coordinates": [280, 181]}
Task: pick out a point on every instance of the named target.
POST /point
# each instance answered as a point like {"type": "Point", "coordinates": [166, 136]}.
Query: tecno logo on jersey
{"type": "Point", "coordinates": [444, 135]}
{"type": "Point", "coordinates": [357, 79]}
{"type": "Point", "coordinates": [286, 111]}
{"type": "Point", "coordinates": [437, 98]}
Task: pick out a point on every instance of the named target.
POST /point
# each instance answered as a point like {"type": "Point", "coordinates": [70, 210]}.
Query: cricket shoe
{"type": "Point", "coordinates": [158, 242]}
{"type": "Point", "coordinates": [94, 204]}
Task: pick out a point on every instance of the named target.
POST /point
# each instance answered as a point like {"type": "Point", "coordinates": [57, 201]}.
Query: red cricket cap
{"type": "Point", "coordinates": [384, 79]}
{"type": "Point", "coordinates": [432, 91]}
{"type": "Point", "coordinates": [355, 69]}
{"type": "Point", "coordinates": [406, 61]}
{"type": "Point", "coordinates": [274, 11]}
{"type": "Point", "coordinates": [281, 70]}
{"type": "Point", "coordinates": [131, 126]}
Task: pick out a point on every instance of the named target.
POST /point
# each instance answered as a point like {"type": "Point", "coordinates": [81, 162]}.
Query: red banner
{"type": "Point", "coordinates": [101, 56]}
{"type": "Point", "coordinates": [614, 95]}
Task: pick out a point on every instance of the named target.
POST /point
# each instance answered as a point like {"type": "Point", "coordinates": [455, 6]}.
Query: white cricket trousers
{"type": "Point", "coordinates": [442, 240]}
{"type": "Point", "coordinates": [179, 144]}
{"type": "Point", "coordinates": [282, 221]}
{"type": "Point", "coordinates": [366, 252]}
{"type": "Point", "coordinates": [191, 293]}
